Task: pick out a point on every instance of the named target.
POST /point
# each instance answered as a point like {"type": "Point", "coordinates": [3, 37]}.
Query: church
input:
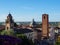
{"type": "Point", "coordinates": [9, 23]}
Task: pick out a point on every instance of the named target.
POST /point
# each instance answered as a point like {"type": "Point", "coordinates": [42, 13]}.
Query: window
{"type": "Point", "coordinates": [44, 17]}
{"type": "Point", "coordinates": [7, 28]}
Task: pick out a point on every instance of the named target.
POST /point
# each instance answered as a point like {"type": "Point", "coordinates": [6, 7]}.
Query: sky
{"type": "Point", "coordinates": [26, 10]}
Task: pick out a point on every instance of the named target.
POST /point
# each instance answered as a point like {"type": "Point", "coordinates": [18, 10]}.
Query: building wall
{"type": "Point", "coordinates": [45, 25]}
{"type": "Point", "coordinates": [7, 26]}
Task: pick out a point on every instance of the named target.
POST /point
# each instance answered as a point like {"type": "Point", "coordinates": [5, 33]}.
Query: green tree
{"type": "Point", "coordinates": [26, 41]}
{"type": "Point", "coordinates": [57, 41]}
{"type": "Point", "coordinates": [8, 32]}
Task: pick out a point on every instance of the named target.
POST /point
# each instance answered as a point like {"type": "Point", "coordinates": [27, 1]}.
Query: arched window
{"type": "Point", "coordinates": [44, 17]}
{"type": "Point", "coordinates": [7, 28]}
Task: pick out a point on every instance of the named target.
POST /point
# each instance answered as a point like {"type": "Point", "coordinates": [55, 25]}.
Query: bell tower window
{"type": "Point", "coordinates": [7, 28]}
{"type": "Point", "coordinates": [44, 17]}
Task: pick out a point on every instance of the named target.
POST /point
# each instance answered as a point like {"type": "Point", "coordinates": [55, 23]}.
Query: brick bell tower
{"type": "Point", "coordinates": [45, 25]}
{"type": "Point", "coordinates": [9, 22]}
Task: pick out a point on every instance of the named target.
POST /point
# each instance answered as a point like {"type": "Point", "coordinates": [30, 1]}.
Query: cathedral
{"type": "Point", "coordinates": [9, 22]}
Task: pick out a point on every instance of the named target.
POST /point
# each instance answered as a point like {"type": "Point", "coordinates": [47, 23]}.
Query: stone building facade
{"type": "Point", "coordinates": [9, 22]}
